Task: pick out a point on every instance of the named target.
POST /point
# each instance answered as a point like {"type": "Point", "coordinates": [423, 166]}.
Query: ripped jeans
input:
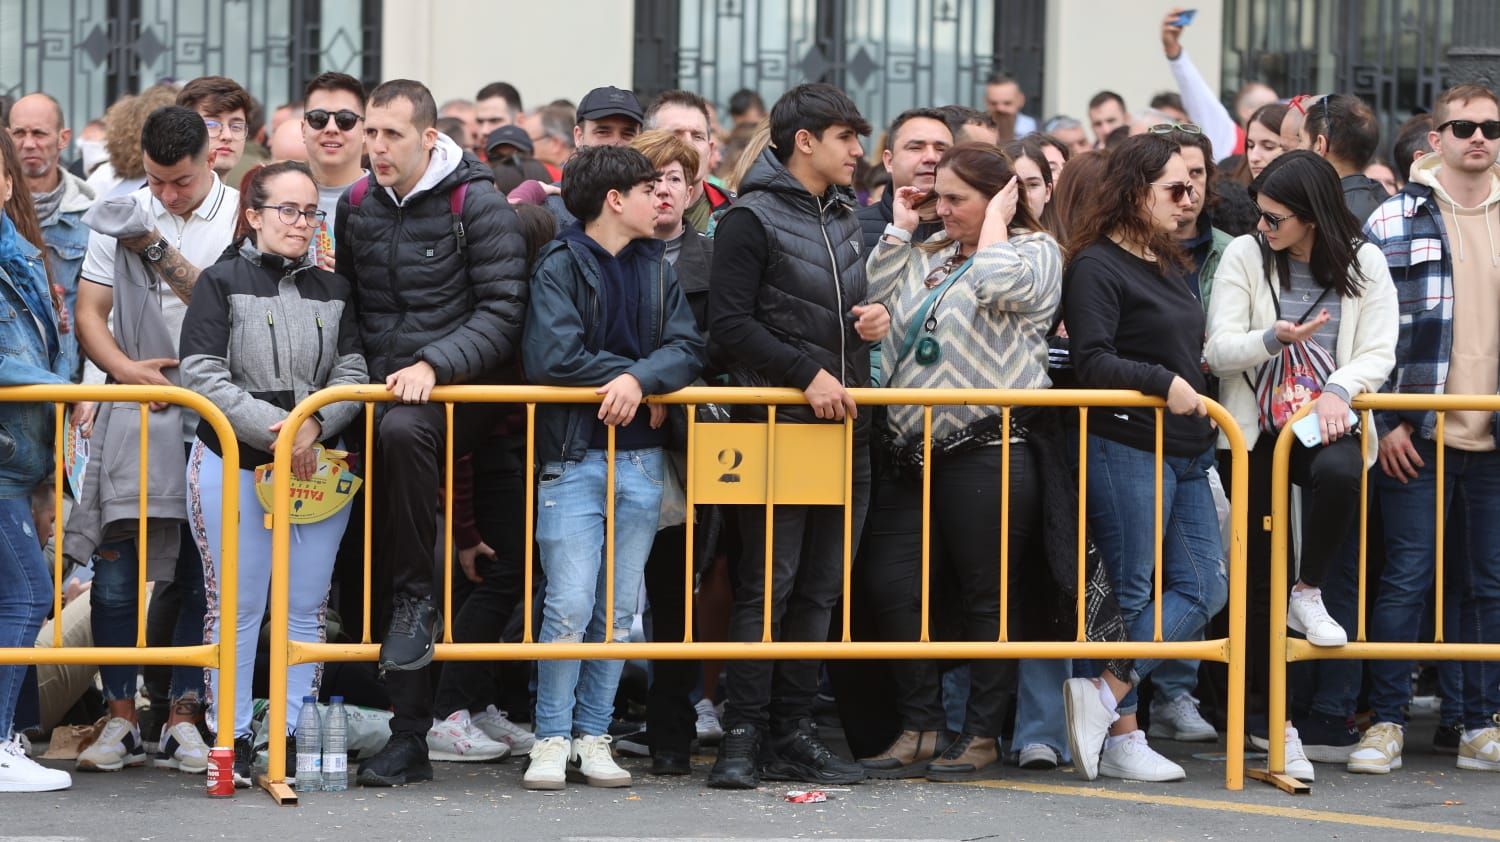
{"type": "Point", "coordinates": [578, 697]}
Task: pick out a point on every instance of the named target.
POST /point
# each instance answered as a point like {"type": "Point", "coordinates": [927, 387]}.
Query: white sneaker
{"type": "Point", "coordinates": [183, 749]}
{"type": "Point", "coordinates": [710, 730]}
{"type": "Point", "coordinates": [117, 746]}
{"type": "Point", "coordinates": [19, 773]}
{"type": "Point", "coordinates": [592, 762]}
{"type": "Point", "coordinates": [1133, 758]}
{"type": "Point", "coordinates": [1038, 756]}
{"type": "Point", "coordinates": [1379, 751]}
{"type": "Point", "coordinates": [549, 764]}
{"type": "Point", "coordinates": [497, 726]}
{"type": "Point", "coordinates": [1297, 764]}
{"type": "Point", "coordinates": [456, 739]}
{"type": "Point", "coordinates": [1180, 720]}
{"type": "Point", "coordinates": [1305, 613]}
{"type": "Point", "coordinates": [1481, 754]}
{"type": "Point", "coordinates": [1088, 724]}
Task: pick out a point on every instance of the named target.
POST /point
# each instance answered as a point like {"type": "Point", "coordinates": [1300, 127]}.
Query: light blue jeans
{"type": "Point", "coordinates": [579, 696]}
{"type": "Point", "coordinates": [1039, 720]}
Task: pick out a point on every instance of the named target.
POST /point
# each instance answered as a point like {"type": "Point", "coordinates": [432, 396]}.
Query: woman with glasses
{"type": "Point", "coordinates": [970, 308]}
{"type": "Point", "coordinates": [265, 329]}
{"type": "Point", "coordinates": [1307, 276]}
{"type": "Point", "coordinates": [1135, 325]}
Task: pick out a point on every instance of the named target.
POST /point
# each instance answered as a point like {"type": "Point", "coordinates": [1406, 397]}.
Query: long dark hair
{"type": "Point", "coordinates": [21, 209]}
{"type": "Point", "coordinates": [1309, 187]}
{"type": "Point", "coordinates": [1076, 188]}
{"type": "Point", "coordinates": [1119, 203]}
{"type": "Point", "coordinates": [985, 168]}
{"type": "Point", "coordinates": [1270, 117]}
{"type": "Point", "coordinates": [254, 192]}
{"type": "Point", "coordinates": [1030, 147]}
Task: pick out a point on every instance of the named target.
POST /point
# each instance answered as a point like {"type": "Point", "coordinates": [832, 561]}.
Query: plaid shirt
{"type": "Point", "coordinates": [1408, 228]}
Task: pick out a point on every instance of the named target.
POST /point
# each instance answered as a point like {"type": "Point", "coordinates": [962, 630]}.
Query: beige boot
{"type": "Point", "coordinates": [907, 757]}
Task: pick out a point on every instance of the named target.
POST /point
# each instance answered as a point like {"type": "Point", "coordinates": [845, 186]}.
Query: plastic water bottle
{"type": "Point", "coordinates": [309, 747]}
{"type": "Point", "coordinates": [335, 747]}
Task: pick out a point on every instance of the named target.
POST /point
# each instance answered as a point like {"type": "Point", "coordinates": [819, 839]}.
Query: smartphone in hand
{"type": "Point", "coordinates": [1309, 433]}
{"type": "Point", "coordinates": [1185, 17]}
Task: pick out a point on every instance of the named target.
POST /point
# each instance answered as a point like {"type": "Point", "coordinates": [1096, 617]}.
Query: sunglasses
{"type": "Point", "coordinates": [1168, 128]}
{"type": "Point", "coordinates": [1464, 129]}
{"type": "Point", "coordinates": [288, 214]}
{"type": "Point", "coordinates": [941, 272]}
{"type": "Point", "coordinates": [1178, 189]}
{"type": "Point", "coordinates": [345, 119]}
{"type": "Point", "coordinates": [1273, 221]}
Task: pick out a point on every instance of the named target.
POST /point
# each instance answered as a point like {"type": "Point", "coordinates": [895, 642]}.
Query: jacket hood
{"type": "Point", "coordinates": [649, 248]}
{"type": "Point", "coordinates": [448, 166]}
{"type": "Point", "coordinates": [274, 262]}
{"type": "Point", "coordinates": [77, 196]}
{"type": "Point", "coordinates": [1424, 171]}
{"type": "Point", "coordinates": [767, 173]}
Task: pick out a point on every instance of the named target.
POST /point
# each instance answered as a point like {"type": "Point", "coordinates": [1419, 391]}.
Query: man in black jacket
{"type": "Point", "coordinates": [914, 145]}
{"type": "Point", "coordinates": [786, 304]}
{"type": "Point", "coordinates": [437, 262]}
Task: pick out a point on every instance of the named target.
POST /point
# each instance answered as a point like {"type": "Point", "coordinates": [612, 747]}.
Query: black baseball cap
{"type": "Point", "coordinates": [509, 136]}
{"type": "Point", "coordinates": [607, 102]}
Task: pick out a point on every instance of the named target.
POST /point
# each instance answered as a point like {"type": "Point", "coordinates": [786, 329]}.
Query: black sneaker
{"type": "Point", "coordinates": [402, 761]}
{"type": "Point", "coordinates": [244, 761]}
{"type": "Point", "coordinates": [1327, 739]}
{"type": "Point", "coordinates": [414, 631]}
{"type": "Point", "coordinates": [668, 762]}
{"type": "Point", "coordinates": [737, 766]}
{"type": "Point", "coordinates": [801, 756]}
{"type": "Point", "coordinates": [1446, 738]}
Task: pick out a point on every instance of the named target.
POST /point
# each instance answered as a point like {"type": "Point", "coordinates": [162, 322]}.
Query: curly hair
{"type": "Point", "coordinates": [1118, 208]}
{"type": "Point", "coordinates": [123, 122]}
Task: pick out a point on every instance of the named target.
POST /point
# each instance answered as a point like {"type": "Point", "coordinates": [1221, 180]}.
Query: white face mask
{"type": "Point", "coordinates": [93, 153]}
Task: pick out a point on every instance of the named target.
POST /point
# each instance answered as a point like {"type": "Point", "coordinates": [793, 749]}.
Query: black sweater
{"type": "Point", "coordinates": [1130, 328]}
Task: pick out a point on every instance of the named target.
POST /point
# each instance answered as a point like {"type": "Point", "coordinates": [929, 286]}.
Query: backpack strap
{"type": "Point", "coordinates": [456, 198]}
{"type": "Point", "coordinates": [358, 192]}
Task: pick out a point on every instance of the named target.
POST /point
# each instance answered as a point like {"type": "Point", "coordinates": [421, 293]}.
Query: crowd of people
{"type": "Point", "coordinates": [1261, 257]}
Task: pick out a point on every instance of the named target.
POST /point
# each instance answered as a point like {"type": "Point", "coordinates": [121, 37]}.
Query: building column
{"type": "Point", "coordinates": [1474, 55]}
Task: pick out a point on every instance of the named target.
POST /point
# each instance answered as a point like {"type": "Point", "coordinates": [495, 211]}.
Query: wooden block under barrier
{"type": "Point", "coordinates": [279, 790]}
{"type": "Point", "coordinates": [1283, 782]}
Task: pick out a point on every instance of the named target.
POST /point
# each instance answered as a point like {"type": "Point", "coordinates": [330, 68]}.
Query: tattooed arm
{"type": "Point", "coordinates": [176, 270]}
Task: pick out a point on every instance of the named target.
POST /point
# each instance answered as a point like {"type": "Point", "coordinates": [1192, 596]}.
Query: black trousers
{"type": "Point", "coordinates": [807, 579]}
{"type": "Point", "coordinates": [1329, 476]}
{"type": "Point", "coordinates": [410, 449]}
{"type": "Point", "coordinates": [670, 718]}
{"type": "Point", "coordinates": [964, 546]}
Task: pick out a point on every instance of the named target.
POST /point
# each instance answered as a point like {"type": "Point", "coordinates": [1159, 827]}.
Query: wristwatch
{"type": "Point", "coordinates": [156, 251]}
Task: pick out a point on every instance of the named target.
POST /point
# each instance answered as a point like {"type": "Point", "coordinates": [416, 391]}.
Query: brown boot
{"type": "Point", "coordinates": [967, 758]}
{"type": "Point", "coordinates": [907, 757]}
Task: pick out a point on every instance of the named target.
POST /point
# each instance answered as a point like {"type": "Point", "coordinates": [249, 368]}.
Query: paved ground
{"type": "Point", "coordinates": [486, 802]}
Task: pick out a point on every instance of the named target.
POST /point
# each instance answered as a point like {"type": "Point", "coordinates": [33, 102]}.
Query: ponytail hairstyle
{"type": "Point", "coordinates": [1309, 186]}
{"type": "Point", "coordinates": [254, 193]}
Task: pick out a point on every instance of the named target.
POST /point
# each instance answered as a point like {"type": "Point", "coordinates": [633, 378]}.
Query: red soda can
{"type": "Point", "coordinates": [221, 772]}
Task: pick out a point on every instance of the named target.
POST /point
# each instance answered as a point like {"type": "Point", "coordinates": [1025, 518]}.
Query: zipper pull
{"type": "Point", "coordinates": [320, 322]}
{"type": "Point", "coordinates": [269, 320]}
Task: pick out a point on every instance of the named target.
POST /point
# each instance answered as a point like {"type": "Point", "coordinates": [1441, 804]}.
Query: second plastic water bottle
{"type": "Point", "coordinates": [335, 753]}
{"type": "Point", "coordinates": [309, 747]}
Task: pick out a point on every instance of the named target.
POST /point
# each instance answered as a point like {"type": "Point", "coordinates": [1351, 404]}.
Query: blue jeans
{"type": "Point", "coordinates": [1122, 517]}
{"type": "Point", "coordinates": [1410, 536]}
{"type": "Point", "coordinates": [579, 696]}
{"type": "Point", "coordinates": [1038, 718]}
{"type": "Point", "coordinates": [25, 596]}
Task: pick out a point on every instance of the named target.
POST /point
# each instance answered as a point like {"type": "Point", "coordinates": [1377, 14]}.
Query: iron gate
{"type": "Point", "coordinates": [889, 55]}
{"type": "Point", "coordinates": [87, 53]}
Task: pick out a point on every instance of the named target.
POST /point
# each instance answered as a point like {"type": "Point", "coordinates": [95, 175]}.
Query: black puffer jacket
{"type": "Point", "coordinates": [814, 273]}
{"type": "Point", "coordinates": [417, 298]}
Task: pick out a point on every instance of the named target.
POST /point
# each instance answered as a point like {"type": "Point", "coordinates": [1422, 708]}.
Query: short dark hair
{"type": "Point", "coordinates": [505, 91]}
{"type": "Point", "coordinates": [423, 107]}
{"type": "Point", "coordinates": [1202, 143]}
{"type": "Point", "coordinates": [1106, 96]}
{"type": "Point", "coordinates": [1411, 138]}
{"type": "Point", "coordinates": [1168, 99]}
{"type": "Point", "coordinates": [913, 114]}
{"type": "Point", "coordinates": [1459, 94]}
{"type": "Point", "coordinates": [454, 128]}
{"type": "Point", "coordinates": [813, 107]}
{"type": "Point", "coordinates": [595, 171]}
{"type": "Point", "coordinates": [1349, 126]}
{"type": "Point", "coordinates": [332, 81]}
{"type": "Point", "coordinates": [1000, 77]}
{"type": "Point", "coordinates": [215, 95]}
{"type": "Point", "coordinates": [958, 116]}
{"type": "Point", "coordinates": [172, 133]}
{"type": "Point", "coordinates": [685, 99]}
{"type": "Point", "coordinates": [743, 100]}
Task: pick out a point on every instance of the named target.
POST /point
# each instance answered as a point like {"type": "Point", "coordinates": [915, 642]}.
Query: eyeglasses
{"type": "Point", "coordinates": [1168, 128]}
{"type": "Point", "coordinates": [345, 119]}
{"type": "Point", "coordinates": [941, 272]}
{"type": "Point", "coordinates": [288, 214]}
{"type": "Point", "coordinates": [1464, 129]}
{"type": "Point", "coordinates": [1178, 189]}
{"type": "Point", "coordinates": [236, 129]}
{"type": "Point", "coordinates": [1273, 221]}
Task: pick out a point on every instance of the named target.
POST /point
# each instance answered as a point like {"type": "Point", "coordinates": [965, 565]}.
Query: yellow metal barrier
{"type": "Point", "coordinates": [1285, 649]}
{"type": "Point", "coordinates": [218, 656]}
{"type": "Point", "coordinates": [738, 463]}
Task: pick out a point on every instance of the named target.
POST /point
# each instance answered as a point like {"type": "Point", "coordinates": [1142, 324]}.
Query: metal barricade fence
{"type": "Point", "coordinates": [1285, 649]}
{"type": "Point", "coordinates": [757, 464]}
{"type": "Point", "coordinates": [219, 655]}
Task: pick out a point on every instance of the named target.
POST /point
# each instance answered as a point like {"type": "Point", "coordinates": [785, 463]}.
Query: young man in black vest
{"type": "Point", "coordinates": [786, 302]}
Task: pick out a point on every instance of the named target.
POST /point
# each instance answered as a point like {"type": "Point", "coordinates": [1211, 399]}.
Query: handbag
{"type": "Point", "coordinates": [1294, 377]}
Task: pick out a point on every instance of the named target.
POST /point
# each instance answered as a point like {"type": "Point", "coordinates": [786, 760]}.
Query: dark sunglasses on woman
{"type": "Point", "coordinates": [343, 118]}
{"type": "Point", "coordinates": [1178, 189]}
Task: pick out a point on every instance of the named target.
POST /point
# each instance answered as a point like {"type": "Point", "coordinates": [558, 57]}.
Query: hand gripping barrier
{"type": "Point", "coordinates": [218, 656]}
{"type": "Point", "coordinates": [760, 464]}
{"type": "Point", "coordinates": [1285, 649]}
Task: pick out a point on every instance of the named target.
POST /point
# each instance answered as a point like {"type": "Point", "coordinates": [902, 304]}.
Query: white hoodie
{"type": "Point", "coordinates": [446, 156]}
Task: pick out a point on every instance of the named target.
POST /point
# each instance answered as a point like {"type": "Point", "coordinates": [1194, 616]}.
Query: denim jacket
{"type": "Point", "coordinates": [29, 355]}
